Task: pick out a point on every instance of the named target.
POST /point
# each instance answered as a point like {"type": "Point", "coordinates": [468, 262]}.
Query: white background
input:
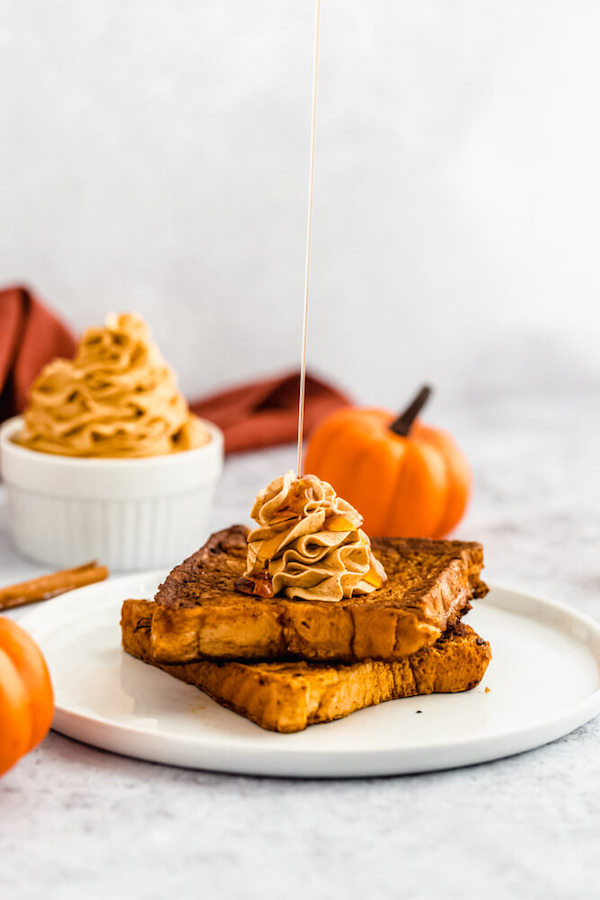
{"type": "Point", "coordinates": [154, 156]}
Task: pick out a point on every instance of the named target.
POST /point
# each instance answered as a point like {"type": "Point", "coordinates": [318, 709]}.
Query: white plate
{"type": "Point", "coordinates": [544, 680]}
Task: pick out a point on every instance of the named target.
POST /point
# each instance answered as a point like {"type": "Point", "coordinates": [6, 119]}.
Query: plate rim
{"type": "Point", "coordinates": [353, 762]}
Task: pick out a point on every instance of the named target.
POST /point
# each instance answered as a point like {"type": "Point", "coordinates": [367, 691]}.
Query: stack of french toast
{"type": "Point", "coordinates": [287, 662]}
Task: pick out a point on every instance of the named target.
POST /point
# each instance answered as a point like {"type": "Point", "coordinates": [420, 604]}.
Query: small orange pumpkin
{"type": "Point", "coordinates": [26, 696]}
{"type": "Point", "coordinates": [405, 478]}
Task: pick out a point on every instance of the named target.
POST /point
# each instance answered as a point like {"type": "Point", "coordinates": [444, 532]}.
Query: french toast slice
{"type": "Point", "coordinates": [200, 615]}
{"type": "Point", "coordinates": [288, 696]}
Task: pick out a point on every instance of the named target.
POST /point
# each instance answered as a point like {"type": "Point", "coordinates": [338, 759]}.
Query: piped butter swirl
{"type": "Point", "coordinates": [117, 398]}
{"type": "Point", "coordinates": [309, 542]}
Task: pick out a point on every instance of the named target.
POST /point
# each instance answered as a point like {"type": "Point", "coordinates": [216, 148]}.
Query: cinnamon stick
{"type": "Point", "coordinates": [47, 586]}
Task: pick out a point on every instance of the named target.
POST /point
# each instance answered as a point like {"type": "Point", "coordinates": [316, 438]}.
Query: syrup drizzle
{"type": "Point", "coordinates": [311, 184]}
{"type": "Point", "coordinates": [259, 581]}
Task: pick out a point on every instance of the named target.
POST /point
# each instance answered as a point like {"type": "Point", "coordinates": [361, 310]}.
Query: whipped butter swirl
{"type": "Point", "coordinates": [308, 545]}
{"type": "Point", "coordinates": [117, 398]}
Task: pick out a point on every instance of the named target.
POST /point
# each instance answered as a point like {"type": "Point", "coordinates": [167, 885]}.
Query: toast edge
{"type": "Point", "coordinates": [276, 702]}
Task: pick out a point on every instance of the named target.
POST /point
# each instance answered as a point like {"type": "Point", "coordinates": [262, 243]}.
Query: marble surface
{"type": "Point", "coordinates": [80, 822]}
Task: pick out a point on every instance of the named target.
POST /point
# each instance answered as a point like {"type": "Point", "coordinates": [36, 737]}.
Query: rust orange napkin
{"type": "Point", "coordinates": [255, 415]}
{"type": "Point", "coordinates": [30, 336]}
{"type": "Point", "coordinates": [265, 413]}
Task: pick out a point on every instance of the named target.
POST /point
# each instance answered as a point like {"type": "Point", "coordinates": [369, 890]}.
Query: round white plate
{"type": "Point", "coordinates": [544, 680]}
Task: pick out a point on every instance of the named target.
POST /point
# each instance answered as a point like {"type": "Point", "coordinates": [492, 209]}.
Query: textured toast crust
{"type": "Point", "coordinates": [199, 614]}
{"type": "Point", "coordinates": [288, 696]}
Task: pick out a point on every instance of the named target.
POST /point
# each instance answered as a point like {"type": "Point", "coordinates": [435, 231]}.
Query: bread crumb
{"type": "Point", "coordinates": [487, 690]}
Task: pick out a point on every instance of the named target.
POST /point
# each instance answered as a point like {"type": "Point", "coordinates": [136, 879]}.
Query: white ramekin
{"type": "Point", "coordinates": [126, 513]}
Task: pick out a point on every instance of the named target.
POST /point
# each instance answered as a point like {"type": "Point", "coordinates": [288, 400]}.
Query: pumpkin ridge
{"type": "Point", "coordinates": [15, 717]}
{"type": "Point", "coordinates": [329, 439]}
{"type": "Point", "coordinates": [30, 666]}
{"type": "Point", "coordinates": [345, 478]}
{"type": "Point", "coordinates": [415, 481]}
{"type": "Point", "coordinates": [437, 451]}
{"type": "Point", "coordinates": [398, 484]}
{"type": "Point", "coordinates": [361, 466]}
{"type": "Point", "coordinates": [459, 478]}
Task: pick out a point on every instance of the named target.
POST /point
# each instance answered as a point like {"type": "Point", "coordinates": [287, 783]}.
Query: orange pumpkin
{"type": "Point", "coordinates": [26, 696]}
{"type": "Point", "coordinates": [407, 479]}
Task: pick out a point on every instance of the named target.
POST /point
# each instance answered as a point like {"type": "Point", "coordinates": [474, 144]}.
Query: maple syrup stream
{"type": "Point", "coordinates": [311, 183]}
{"type": "Point", "coordinates": [259, 582]}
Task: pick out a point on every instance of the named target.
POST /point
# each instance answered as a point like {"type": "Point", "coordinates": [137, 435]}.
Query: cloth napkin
{"type": "Point", "coordinates": [30, 336]}
{"type": "Point", "coordinates": [265, 413]}
{"type": "Point", "coordinates": [254, 415]}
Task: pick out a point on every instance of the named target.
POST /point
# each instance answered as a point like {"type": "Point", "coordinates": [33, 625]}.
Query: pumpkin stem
{"type": "Point", "coordinates": [405, 420]}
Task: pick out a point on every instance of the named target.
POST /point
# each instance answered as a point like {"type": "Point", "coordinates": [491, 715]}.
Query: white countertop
{"type": "Point", "coordinates": [77, 822]}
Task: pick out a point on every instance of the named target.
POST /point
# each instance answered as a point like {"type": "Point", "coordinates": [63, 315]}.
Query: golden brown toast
{"type": "Point", "coordinates": [199, 614]}
{"type": "Point", "coordinates": [288, 696]}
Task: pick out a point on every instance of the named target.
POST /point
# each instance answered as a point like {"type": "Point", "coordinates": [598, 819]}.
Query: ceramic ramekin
{"type": "Point", "coordinates": [126, 513]}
